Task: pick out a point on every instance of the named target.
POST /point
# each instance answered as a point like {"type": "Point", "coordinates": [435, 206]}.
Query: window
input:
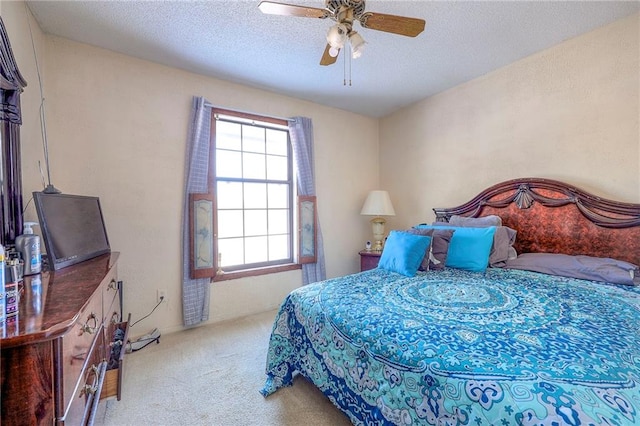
{"type": "Point", "coordinates": [253, 194]}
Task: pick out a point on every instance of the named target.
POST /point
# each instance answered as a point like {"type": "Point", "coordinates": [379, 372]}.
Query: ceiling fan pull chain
{"type": "Point", "coordinates": [349, 59]}
{"type": "Point", "coordinates": [344, 69]}
{"type": "Point", "coordinates": [346, 65]}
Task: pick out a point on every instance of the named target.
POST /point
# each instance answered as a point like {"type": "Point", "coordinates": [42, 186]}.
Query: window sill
{"type": "Point", "coordinates": [256, 272]}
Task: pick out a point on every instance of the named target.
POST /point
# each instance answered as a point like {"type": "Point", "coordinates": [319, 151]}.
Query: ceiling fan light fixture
{"type": "Point", "coordinates": [357, 44]}
{"type": "Point", "coordinates": [345, 13]}
{"type": "Point", "coordinates": [337, 36]}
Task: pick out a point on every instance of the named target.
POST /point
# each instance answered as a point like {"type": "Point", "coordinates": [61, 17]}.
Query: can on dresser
{"type": "Point", "coordinates": [12, 298]}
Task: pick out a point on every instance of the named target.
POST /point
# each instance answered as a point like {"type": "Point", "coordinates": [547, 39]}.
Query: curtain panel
{"type": "Point", "coordinates": [195, 292]}
{"type": "Point", "coordinates": [301, 131]}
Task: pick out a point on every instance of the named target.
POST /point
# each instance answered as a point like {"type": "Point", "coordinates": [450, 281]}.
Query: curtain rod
{"type": "Point", "coordinates": [210, 105]}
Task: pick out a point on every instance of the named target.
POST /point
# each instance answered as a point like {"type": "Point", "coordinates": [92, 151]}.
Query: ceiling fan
{"type": "Point", "coordinates": [345, 12]}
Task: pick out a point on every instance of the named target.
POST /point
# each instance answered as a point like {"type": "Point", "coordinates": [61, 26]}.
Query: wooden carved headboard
{"type": "Point", "coordinates": [555, 217]}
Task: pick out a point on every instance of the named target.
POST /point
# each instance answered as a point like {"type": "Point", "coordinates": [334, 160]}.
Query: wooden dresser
{"type": "Point", "coordinates": [56, 352]}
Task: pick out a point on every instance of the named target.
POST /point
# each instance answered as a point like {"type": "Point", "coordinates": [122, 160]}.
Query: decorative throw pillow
{"type": "Point", "coordinates": [503, 239]}
{"type": "Point", "coordinates": [502, 248]}
{"type": "Point", "coordinates": [475, 222]}
{"type": "Point", "coordinates": [436, 257]}
{"type": "Point", "coordinates": [403, 252]}
{"type": "Point", "coordinates": [579, 266]}
{"type": "Point", "coordinates": [469, 248]}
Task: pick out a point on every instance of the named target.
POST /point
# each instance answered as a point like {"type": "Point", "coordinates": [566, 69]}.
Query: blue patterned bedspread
{"type": "Point", "coordinates": [504, 347]}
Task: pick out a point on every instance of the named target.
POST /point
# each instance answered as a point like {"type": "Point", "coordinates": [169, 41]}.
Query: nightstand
{"type": "Point", "coordinates": [369, 259]}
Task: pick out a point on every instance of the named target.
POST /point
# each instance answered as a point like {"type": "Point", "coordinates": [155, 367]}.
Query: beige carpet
{"type": "Point", "coordinates": [212, 375]}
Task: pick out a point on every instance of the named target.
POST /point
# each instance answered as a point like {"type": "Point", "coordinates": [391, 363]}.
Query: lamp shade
{"type": "Point", "coordinates": [337, 36]}
{"type": "Point", "coordinates": [378, 203]}
{"type": "Point", "coordinates": [357, 44]}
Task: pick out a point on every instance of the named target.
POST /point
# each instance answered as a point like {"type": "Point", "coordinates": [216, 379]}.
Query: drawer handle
{"type": "Point", "coordinates": [87, 390]}
{"type": "Point", "coordinates": [113, 285]}
{"type": "Point", "coordinates": [86, 328]}
{"type": "Point", "coordinates": [90, 389]}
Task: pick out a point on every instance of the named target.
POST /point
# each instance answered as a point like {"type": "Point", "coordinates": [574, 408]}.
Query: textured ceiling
{"type": "Point", "coordinates": [234, 41]}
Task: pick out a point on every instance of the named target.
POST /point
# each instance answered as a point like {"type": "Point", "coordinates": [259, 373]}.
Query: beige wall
{"type": "Point", "coordinates": [117, 128]}
{"type": "Point", "coordinates": [569, 113]}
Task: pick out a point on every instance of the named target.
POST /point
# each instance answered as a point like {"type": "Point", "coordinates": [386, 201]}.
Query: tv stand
{"type": "Point", "coordinates": [55, 353]}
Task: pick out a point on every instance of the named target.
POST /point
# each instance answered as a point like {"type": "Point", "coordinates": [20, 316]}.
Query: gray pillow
{"type": "Point", "coordinates": [584, 267]}
{"type": "Point", "coordinates": [436, 256]}
{"type": "Point", "coordinates": [503, 239]}
{"type": "Point", "coordinates": [475, 222]}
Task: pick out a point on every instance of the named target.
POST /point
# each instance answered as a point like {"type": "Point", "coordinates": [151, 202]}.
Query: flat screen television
{"type": "Point", "coordinates": [72, 227]}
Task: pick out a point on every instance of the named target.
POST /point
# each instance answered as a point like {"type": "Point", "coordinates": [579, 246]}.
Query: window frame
{"type": "Point", "coordinates": [263, 268]}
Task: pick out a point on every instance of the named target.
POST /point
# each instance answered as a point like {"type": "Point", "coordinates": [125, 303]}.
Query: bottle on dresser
{"type": "Point", "coordinates": [28, 245]}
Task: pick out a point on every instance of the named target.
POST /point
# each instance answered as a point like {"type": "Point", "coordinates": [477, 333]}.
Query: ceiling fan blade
{"type": "Point", "coordinates": [327, 59]}
{"type": "Point", "coordinates": [402, 25]}
{"type": "Point", "coordinates": [274, 8]}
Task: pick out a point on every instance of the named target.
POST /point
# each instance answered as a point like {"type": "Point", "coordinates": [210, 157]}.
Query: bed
{"type": "Point", "coordinates": [498, 346]}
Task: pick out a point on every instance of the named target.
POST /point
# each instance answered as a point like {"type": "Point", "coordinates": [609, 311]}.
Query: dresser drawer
{"type": "Point", "coordinates": [82, 350]}
{"type": "Point", "coordinates": [115, 361]}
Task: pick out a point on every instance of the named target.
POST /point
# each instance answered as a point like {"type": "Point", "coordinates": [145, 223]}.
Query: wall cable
{"type": "Point", "coordinates": [146, 316]}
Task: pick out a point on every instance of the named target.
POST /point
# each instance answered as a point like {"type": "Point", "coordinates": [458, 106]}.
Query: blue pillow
{"type": "Point", "coordinates": [403, 252]}
{"type": "Point", "coordinates": [469, 248]}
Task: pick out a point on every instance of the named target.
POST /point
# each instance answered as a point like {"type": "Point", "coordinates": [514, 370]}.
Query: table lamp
{"type": "Point", "coordinates": [378, 204]}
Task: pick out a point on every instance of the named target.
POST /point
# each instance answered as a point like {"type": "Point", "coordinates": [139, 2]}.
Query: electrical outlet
{"type": "Point", "coordinates": [162, 296]}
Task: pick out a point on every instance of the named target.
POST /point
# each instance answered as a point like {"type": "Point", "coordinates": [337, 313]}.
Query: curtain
{"type": "Point", "coordinates": [195, 292]}
{"type": "Point", "coordinates": [301, 131]}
